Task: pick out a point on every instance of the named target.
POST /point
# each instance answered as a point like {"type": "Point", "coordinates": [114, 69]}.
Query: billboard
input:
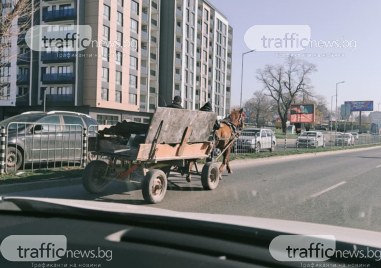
{"type": "Point", "coordinates": [360, 106]}
{"type": "Point", "coordinates": [302, 113]}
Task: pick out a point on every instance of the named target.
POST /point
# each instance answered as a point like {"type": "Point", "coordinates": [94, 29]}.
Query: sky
{"type": "Point", "coordinates": [356, 23]}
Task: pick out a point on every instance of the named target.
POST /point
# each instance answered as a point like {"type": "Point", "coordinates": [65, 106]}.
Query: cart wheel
{"type": "Point", "coordinates": [94, 177]}
{"type": "Point", "coordinates": [167, 170]}
{"type": "Point", "coordinates": [154, 186]}
{"type": "Point", "coordinates": [210, 176]}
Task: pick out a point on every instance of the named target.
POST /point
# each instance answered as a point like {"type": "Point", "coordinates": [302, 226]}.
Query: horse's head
{"type": "Point", "coordinates": [237, 118]}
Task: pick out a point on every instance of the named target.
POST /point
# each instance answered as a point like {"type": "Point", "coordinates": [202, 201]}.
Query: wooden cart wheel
{"type": "Point", "coordinates": [210, 176]}
{"type": "Point", "coordinates": [154, 186]}
{"type": "Point", "coordinates": [94, 177]}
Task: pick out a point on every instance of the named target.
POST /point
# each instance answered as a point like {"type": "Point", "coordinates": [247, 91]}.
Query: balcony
{"type": "Point", "coordinates": [144, 35]}
{"type": "Point", "coordinates": [21, 39]}
{"type": "Point", "coordinates": [179, 30]}
{"type": "Point", "coordinates": [179, 13]}
{"type": "Point", "coordinates": [23, 59]}
{"type": "Point", "coordinates": [178, 62]}
{"type": "Point", "coordinates": [144, 52]}
{"type": "Point", "coordinates": [145, 17]}
{"type": "Point", "coordinates": [178, 46]}
{"type": "Point", "coordinates": [177, 77]}
{"type": "Point", "coordinates": [52, 100]}
{"type": "Point", "coordinates": [58, 78]}
{"type": "Point", "coordinates": [50, 57]}
{"type": "Point", "coordinates": [24, 20]}
{"type": "Point", "coordinates": [22, 79]}
{"type": "Point", "coordinates": [58, 15]}
{"type": "Point", "coordinates": [144, 71]}
{"type": "Point", "coordinates": [143, 89]}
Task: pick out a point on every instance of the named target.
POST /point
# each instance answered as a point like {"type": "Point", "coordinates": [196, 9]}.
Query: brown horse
{"type": "Point", "coordinates": [226, 134]}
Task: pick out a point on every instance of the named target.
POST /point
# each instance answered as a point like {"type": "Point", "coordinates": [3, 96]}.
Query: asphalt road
{"type": "Point", "coordinates": [341, 188]}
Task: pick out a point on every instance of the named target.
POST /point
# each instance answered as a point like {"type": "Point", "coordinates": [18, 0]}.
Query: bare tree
{"type": "Point", "coordinates": [15, 19]}
{"type": "Point", "coordinates": [259, 108]}
{"type": "Point", "coordinates": [284, 83]}
{"type": "Point", "coordinates": [11, 11]}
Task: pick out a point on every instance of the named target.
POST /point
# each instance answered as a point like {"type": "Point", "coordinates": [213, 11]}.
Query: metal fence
{"type": "Point", "coordinates": [291, 142]}
{"type": "Point", "coordinates": [30, 146]}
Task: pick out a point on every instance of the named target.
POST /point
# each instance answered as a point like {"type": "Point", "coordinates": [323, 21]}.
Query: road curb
{"type": "Point", "coordinates": [36, 185]}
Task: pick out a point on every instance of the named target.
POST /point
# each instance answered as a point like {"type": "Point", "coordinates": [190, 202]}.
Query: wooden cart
{"type": "Point", "coordinates": [175, 140]}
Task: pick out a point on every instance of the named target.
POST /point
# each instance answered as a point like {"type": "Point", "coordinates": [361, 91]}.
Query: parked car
{"type": "Point", "coordinates": [344, 139]}
{"type": "Point", "coordinates": [310, 139]}
{"type": "Point", "coordinates": [355, 135]}
{"type": "Point", "coordinates": [47, 137]}
{"type": "Point", "coordinates": [255, 140]}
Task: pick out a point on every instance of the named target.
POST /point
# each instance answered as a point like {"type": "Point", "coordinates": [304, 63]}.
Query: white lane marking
{"type": "Point", "coordinates": [328, 189]}
{"type": "Point", "coordinates": [378, 166]}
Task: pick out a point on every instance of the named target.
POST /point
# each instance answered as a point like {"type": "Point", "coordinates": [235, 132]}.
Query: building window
{"type": "Point", "coordinates": [133, 99]}
{"type": "Point", "coordinates": [118, 96]}
{"type": "Point", "coordinates": [119, 38]}
{"type": "Point", "coordinates": [205, 27]}
{"type": "Point", "coordinates": [134, 26]}
{"type": "Point", "coordinates": [106, 32]}
{"type": "Point", "coordinates": [119, 58]}
{"type": "Point", "coordinates": [120, 3]}
{"type": "Point", "coordinates": [104, 119]}
{"type": "Point", "coordinates": [106, 12]}
{"type": "Point", "coordinates": [105, 74]}
{"type": "Point", "coordinates": [133, 81]}
{"type": "Point", "coordinates": [106, 53]}
{"type": "Point", "coordinates": [119, 19]}
{"type": "Point", "coordinates": [104, 94]}
{"type": "Point", "coordinates": [154, 5]}
{"type": "Point", "coordinates": [206, 14]}
{"type": "Point", "coordinates": [134, 8]}
{"type": "Point", "coordinates": [134, 44]}
{"type": "Point", "coordinates": [133, 63]}
{"type": "Point", "coordinates": [205, 41]}
{"type": "Point", "coordinates": [118, 78]}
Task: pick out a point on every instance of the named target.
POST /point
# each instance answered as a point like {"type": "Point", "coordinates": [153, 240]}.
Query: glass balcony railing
{"type": "Point", "coordinates": [61, 14]}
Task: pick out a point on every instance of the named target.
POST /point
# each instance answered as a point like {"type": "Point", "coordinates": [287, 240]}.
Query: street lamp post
{"type": "Point", "coordinates": [331, 111]}
{"type": "Point", "coordinates": [243, 54]}
{"type": "Point", "coordinates": [45, 100]}
{"type": "Point", "coordinates": [337, 110]}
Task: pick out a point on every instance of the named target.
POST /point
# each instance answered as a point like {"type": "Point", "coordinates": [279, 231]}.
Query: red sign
{"type": "Point", "coordinates": [302, 113]}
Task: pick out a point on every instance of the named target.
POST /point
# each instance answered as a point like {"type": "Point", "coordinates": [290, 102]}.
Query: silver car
{"type": "Point", "coordinates": [255, 140]}
{"type": "Point", "coordinates": [345, 139]}
{"type": "Point", "coordinates": [310, 139]}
